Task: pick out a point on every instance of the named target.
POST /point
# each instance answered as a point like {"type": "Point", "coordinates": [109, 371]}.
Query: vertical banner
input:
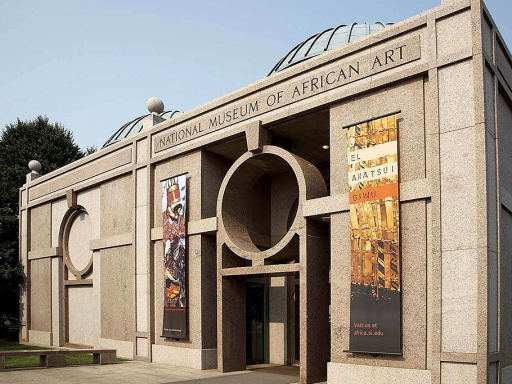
{"type": "Point", "coordinates": [174, 193]}
{"type": "Point", "coordinates": [375, 298]}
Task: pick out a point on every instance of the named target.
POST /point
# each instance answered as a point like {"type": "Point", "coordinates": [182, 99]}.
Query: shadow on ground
{"type": "Point", "coordinates": [268, 374]}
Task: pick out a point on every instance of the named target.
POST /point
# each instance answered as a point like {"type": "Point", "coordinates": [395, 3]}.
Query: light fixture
{"type": "Point", "coordinates": [325, 146]}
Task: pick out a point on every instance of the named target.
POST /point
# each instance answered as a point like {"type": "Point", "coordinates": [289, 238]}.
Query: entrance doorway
{"type": "Point", "coordinates": [264, 235]}
{"type": "Point", "coordinates": [296, 332]}
{"type": "Point", "coordinates": [256, 323]}
{"type": "Point", "coordinates": [272, 320]}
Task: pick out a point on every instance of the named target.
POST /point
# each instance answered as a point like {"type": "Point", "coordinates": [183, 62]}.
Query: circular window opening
{"type": "Point", "coordinates": [260, 202]}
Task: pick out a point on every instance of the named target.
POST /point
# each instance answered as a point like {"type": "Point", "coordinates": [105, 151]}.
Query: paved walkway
{"type": "Point", "coordinates": [137, 372]}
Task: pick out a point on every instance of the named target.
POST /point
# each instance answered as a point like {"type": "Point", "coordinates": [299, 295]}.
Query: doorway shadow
{"type": "Point", "coordinates": [289, 370]}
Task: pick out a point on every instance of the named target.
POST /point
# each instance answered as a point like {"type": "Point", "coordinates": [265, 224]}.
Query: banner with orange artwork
{"type": "Point", "coordinates": [174, 194]}
{"type": "Point", "coordinates": [375, 302]}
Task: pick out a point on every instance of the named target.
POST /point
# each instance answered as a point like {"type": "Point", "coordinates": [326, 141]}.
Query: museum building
{"type": "Point", "coordinates": [349, 213]}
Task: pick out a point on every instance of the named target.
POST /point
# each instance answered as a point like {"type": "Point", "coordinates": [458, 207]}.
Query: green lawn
{"type": "Point", "coordinates": [33, 361]}
{"type": "Point", "coordinates": [10, 346]}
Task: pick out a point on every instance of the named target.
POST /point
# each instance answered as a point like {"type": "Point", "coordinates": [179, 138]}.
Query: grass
{"type": "Point", "coordinates": [33, 361]}
{"type": "Point", "coordinates": [19, 361]}
{"type": "Point", "coordinates": [10, 346]}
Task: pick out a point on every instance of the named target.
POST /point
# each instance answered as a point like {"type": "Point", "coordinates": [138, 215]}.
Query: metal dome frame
{"type": "Point", "coordinates": [133, 127]}
{"type": "Point", "coordinates": [314, 42]}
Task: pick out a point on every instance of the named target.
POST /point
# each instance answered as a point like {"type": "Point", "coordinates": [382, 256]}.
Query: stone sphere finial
{"type": "Point", "coordinates": [155, 105]}
{"type": "Point", "coordinates": [34, 166]}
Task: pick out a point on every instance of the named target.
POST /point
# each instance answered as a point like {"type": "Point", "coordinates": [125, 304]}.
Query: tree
{"type": "Point", "coordinates": [53, 146]}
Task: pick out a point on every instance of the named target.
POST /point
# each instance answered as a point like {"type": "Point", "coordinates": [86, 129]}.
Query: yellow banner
{"type": "Point", "coordinates": [374, 210]}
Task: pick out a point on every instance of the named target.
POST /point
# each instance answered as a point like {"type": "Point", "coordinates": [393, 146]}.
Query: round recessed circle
{"type": "Point", "coordinates": [79, 237]}
{"type": "Point", "coordinates": [258, 199]}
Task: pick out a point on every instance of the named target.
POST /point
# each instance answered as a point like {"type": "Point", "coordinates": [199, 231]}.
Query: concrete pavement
{"type": "Point", "coordinates": [136, 372]}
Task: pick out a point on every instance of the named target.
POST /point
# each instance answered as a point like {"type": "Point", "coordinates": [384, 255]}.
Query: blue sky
{"type": "Point", "coordinates": [92, 64]}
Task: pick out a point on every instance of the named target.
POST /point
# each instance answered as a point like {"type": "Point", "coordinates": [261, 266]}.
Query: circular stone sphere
{"type": "Point", "coordinates": [155, 105]}
{"type": "Point", "coordinates": [34, 166]}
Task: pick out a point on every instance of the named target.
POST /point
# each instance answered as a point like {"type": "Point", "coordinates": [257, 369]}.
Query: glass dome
{"type": "Point", "coordinates": [135, 126]}
{"type": "Point", "coordinates": [324, 41]}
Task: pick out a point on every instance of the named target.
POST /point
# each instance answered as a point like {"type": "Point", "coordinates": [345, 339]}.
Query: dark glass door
{"type": "Point", "coordinates": [255, 323]}
{"type": "Point", "coordinates": [297, 323]}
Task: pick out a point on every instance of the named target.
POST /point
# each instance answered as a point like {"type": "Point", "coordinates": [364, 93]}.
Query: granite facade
{"type": "Point", "coordinates": [267, 205]}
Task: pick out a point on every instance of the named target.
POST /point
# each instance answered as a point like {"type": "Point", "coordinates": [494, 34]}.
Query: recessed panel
{"type": "Point", "coordinates": [78, 241]}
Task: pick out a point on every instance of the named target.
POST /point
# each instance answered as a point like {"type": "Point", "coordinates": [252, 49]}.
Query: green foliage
{"type": "Point", "coordinates": [53, 146]}
{"type": "Point", "coordinates": [90, 150]}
